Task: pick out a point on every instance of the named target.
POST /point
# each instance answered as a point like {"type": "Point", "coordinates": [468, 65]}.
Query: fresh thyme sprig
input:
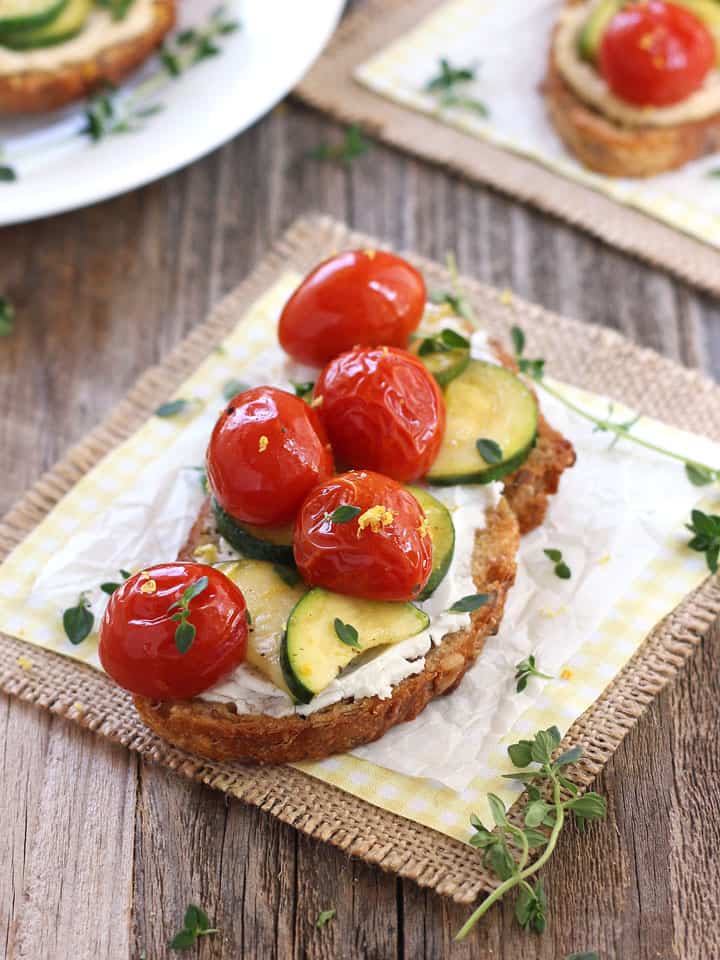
{"type": "Point", "coordinates": [562, 570]}
{"type": "Point", "coordinates": [110, 586]}
{"type": "Point", "coordinates": [506, 849]}
{"type": "Point", "coordinates": [443, 342]}
{"type": "Point", "coordinates": [354, 145]}
{"type": "Point", "coordinates": [706, 539]}
{"type": "Point", "coordinates": [449, 85]}
{"type": "Point", "coordinates": [303, 389]}
{"type": "Point", "coordinates": [526, 669]}
{"type": "Point", "coordinates": [119, 111]}
{"type": "Point", "coordinates": [7, 317]}
{"type": "Point", "coordinates": [470, 603]}
{"type": "Point", "coordinates": [698, 473]}
{"type": "Point", "coordinates": [346, 633]}
{"type": "Point", "coordinates": [78, 621]}
{"type": "Point", "coordinates": [185, 630]}
{"type": "Point", "coordinates": [195, 924]}
{"type": "Point", "coordinates": [343, 514]}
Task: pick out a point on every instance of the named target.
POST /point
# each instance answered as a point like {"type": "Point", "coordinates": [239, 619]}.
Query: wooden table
{"type": "Point", "coordinates": [100, 853]}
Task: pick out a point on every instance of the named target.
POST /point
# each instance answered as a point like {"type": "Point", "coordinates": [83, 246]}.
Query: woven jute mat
{"type": "Point", "coordinates": [329, 86]}
{"type": "Point", "coordinates": [588, 356]}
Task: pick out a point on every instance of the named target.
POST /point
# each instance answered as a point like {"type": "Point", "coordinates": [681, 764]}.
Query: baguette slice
{"type": "Point", "coordinates": [216, 730]}
{"type": "Point", "coordinates": [605, 147]}
{"type": "Point", "coordinates": [37, 91]}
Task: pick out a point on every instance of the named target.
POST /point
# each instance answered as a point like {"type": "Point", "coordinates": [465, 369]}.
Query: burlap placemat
{"type": "Point", "coordinates": [330, 86]}
{"type": "Point", "coordinates": [588, 356]}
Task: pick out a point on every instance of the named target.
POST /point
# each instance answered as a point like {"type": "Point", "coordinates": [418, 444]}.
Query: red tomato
{"type": "Point", "coordinates": [358, 297]}
{"type": "Point", "coordinates": [138, 635]}
{"type": "Point", "coordinates": [383, 553]}
{"type": "Point", "coordinates": [267, 450]}
{"type": "Point", "coordinates": [382, 410]}
{"type": "Point", "coordinates": [656, 53]}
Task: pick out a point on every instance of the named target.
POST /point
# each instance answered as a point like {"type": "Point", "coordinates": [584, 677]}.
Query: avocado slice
{"type": "Point", "coordinates": [591, 35]}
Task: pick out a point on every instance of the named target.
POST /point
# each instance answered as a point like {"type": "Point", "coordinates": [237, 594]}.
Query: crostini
{"type": "Point", "coordinates": [633, 88]}
{"type": "Point", "coordinates": [367, 526]}
{"type": "Point", "coordinates": [53, 52]}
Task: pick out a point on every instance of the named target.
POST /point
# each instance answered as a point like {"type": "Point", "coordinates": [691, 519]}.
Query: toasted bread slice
{"type": "Point", "coordinates": [216, 730]}
{"type": "Point", "coordinates": [36, 91]}
{"type": "Point", "coordinates": [605, 147]}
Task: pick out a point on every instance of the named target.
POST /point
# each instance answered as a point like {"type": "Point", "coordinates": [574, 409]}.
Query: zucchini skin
{"type": "Point", "coordinates": [247, 544]}
{"type": "Point", "coordinates": [298, 690]}
{"type": "Point", "coordinates": [488, 475]}
{"type": "Point", "coordinates": [10, 25]}
{"type": "Point", "coordinates": [442, 553]}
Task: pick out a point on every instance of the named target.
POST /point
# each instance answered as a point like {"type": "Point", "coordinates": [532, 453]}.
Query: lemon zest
{"type": "Point", "coordinates": [263, 444]}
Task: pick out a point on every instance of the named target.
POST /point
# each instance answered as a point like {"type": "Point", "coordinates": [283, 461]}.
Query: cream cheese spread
{"type": "Point", "coordinates": [100, 32]}
{"type": "Point", "coordinates": [591, 87]}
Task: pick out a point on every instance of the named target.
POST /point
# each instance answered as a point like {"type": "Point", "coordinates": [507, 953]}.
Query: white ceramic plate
{"type": "Point", "coordinates": [207, 105]}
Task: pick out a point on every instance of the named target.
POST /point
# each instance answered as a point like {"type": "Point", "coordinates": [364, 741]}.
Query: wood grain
{"type": "Point", "coordinates": [99, 855]}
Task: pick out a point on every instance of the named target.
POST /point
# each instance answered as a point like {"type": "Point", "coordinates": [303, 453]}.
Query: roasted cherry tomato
{"type": "Point", "coordinates": [382, 410]}
{"type": "Point", "coordinates": [364, 297]}
{"type": "Point", "coordinates": [167, 609]}
{"type": "Point", "coordinates": [267, 450]}
{"type": "Point", "coordinates": [656, 53]}
{"type": "Point", "coordinates": [381, 550]}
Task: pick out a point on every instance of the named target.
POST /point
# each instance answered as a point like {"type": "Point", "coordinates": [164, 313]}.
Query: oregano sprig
{"type": "Point", "coordinates": [443, 342]}
{"type": "Point", "coordinates": [698, 473]}
{"type": "Point", "coordinates": [450, 84]}
{"type": "Point", "coordinates": [353, 145]}
{"type": "Point", "coordinates": [110, 586]}
{"type": "Point", "coordinates": [346, 633]}
{"type": "Point", "coordinates": [185, 630]}
{"type": "Point", "coordinates": [78, 621]}
{"type": "Point", "coordinates": [527, 669]}
{"type": "Point", "coordinates": [706, 536]}
{"type": "Point", "coordinates": [195, 924]}
{"type": "Point", "coordinates": [551, 797]}
{"type": "Point", "coordinates": [562, 570]}
{"type": "Point", "coordinates": [343, 514]}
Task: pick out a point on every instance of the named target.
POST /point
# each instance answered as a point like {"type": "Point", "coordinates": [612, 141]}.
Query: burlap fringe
{"type": "Point", "coordinates": [596, 358]}
{"type": "Point", "coordinates": [329, 86]}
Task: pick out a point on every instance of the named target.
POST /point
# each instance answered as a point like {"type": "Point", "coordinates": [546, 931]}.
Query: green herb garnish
{"type": "Point", "coordinates": [346, 633]}
{"type": "Point", "coordinates": [325, 917]}
{"type": "Point", "coordinates": [698, 473]}
{"type": "Point", "coordinates": [116, 8]}
{"type": "Point", "coordinates": [706, 539]}
{"type": "Point", "coordinates": [526, 669]}
{"type": "Point", "coordinates": [195, 924]}
{"type": "Point", "coordinates": [304, 389]}
{"type": "Point", "coordinates": [472, 602]}
{"type": "Point", "coordinates": [78, 621]}
{"type": "Point", "coordinates": [233, 387]}
{"type": "Point", "coordinates": [173, 407]}
{"type": "Point", "coordinates": [506, 848]}
{"type": "Point", "coordinates": [443, 342]}
{"type": "Point", "coordinates": [562, 570]}
{"type": "Point", "coordinates": [489, 450]}
{"type": "Point", "coordinates": [7, 317]}
{"type": "Point", "coordinates": [110, 586]}
{"type": "Point", "coordinates": [7, 174]}
{"type": "Point", "coordinates": [448, 84]}
{"type": "Point", "coordinates": [343, 514]}
{"type": "Point", "coordinates": [185, 630]}
{"type": "Point", "coordinates": [354, 145]}
{"type": "Point", "coordinates": [454, 298]}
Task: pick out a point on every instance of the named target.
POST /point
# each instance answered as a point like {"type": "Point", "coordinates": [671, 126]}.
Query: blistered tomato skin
{"type": "Point", "coordinates": [267, 450]}
{"type": "Point", "coordinates": [656, 54]}
{"type": "Point", "coordinates": [383, 553]}
{"type": "Point", "coordinates": [137, 634]}
{"type": "Point", "coordinates": [360, 297]}
{"type": "Point", "coordinates": [382, 411]}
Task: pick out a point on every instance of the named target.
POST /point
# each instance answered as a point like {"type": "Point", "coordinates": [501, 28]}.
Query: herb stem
{"type": "Point", "coordinates": [520, 876]}
{"type": "Point", "coordinates": [619, 429]}
{"type": "Point", "coordinates": [451, 263]}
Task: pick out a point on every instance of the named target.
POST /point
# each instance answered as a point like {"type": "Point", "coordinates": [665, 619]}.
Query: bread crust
{"type": "Point", "coordinates": [529, 488]}
{"type": "Point", "coordinates": [37, 91]}
{"type": "Point", "coordinates": [616, 151]}
{"type": "Point", "coordinates": [217, 731]}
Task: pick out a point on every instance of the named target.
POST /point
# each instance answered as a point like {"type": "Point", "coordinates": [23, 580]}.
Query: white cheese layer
{"type": "Point", "coordinates": [252, 693]}
{"type": "Point", "coordinates": [100, 32]}
{"type": "Point", "coordinates": [591, 87]}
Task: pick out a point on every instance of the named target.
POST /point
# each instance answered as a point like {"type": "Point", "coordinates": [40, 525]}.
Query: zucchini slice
{"type": "Point", "coordinates": [312, 652]}
{"type": "Point", "coordinates": [274, 544]}
{"type": "Point", "coordinates": [442, 534]}
{"type": "Point", "coordinates": [270, 602]}
{"type": "Point", "coordinates": [66, 25]}
{"type": "Point", "coordinates": [21, 14]}
{"type": "Point", "coordinates": [486, 402]}
{"type": "Point", "coordinates": [443, 361]}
